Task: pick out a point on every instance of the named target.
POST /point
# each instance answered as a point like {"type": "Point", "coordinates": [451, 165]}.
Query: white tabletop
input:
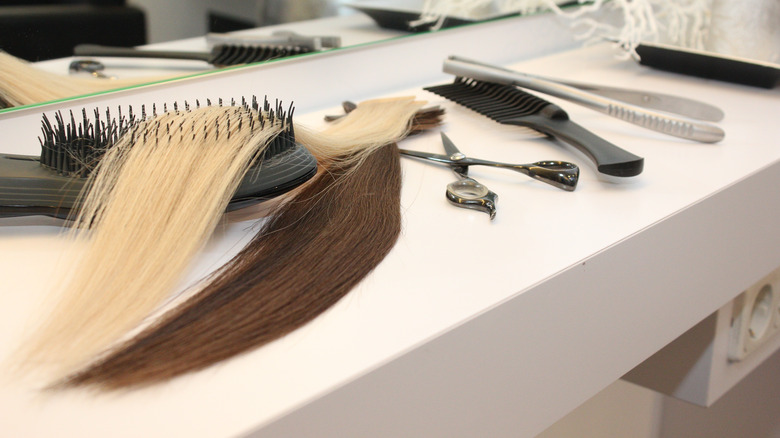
{"type": "Point", "coordinates": [469, 327]}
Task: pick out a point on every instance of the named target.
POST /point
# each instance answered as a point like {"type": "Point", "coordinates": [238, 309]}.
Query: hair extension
{"type": "Point", "coordinates": [372, 124]}
{"type": "Point", "coordinates": [154, 199]}
{"type": "Point", "coordinates": [309, 255]}
{"type": "Point", "coordinates": [23, 84]}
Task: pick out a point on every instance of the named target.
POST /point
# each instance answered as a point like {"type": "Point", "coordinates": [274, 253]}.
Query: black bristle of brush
{"type": "Point", "coordinates": [74, 148]}
{"type": "Point", "coordinates": [506, 104]}
{"type": "Point", "coordinates": [50, 184]}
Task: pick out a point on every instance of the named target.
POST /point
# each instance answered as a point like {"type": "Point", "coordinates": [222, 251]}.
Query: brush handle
{"type": "Point", "coordinates": [98, 50]}
{"type": "Point", "coordinates": [674, 126]}
{"type": "Point", "coordinates": [609, 159]}
{"type": "Point", "coordinates": [27, 188]}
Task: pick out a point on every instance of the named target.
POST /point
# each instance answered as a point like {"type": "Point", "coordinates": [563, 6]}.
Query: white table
{"type": "Point", "coordinates": [469, 327]}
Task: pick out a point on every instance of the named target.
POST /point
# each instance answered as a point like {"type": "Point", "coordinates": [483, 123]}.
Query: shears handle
{"type": "Point", "coordinates": [469, 193]}
{"type": "Point", "coordinates": [560, 174]}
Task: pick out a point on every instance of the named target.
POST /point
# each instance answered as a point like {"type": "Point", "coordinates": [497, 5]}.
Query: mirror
{"type": "Point", "coordinates": [355, 22]}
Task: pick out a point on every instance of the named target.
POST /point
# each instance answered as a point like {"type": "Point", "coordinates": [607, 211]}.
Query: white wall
{"type": "Point", "coordinates": [176, 19]}
{"type": "Point", "coordinates": [173, 19]}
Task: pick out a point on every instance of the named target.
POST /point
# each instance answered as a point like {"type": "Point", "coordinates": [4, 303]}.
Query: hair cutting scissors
{"type": "Point", "coordinates": [469, 193]}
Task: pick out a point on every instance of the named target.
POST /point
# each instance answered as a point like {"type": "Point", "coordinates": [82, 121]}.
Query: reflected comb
{"type": "Point", "coordinates": [221, 55]}
{"type": "Point", "coordinates": [509, 105]}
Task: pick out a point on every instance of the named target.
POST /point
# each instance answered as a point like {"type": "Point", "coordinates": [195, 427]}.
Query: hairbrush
{"type": "Point", "coordinates": [509, 105]}
{"type": "Point", "coordinates": [221, 55]}
{"type": "Point", "coordinates": [51, 184]}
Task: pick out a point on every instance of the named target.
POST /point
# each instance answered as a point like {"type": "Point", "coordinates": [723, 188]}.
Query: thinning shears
{"type": "Point", "coordinates": [469, 193]}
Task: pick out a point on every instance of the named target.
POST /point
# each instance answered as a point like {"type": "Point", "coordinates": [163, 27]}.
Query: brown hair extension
{"type": "Point", "coordinates": [309, 255]}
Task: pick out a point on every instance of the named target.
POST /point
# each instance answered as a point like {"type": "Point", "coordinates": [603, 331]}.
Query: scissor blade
{"type": "Point", "coordinates": [454, 154]}
{"type": "Point", "coordinates": [439, 158]}
{"type": "Point", "coordinates": [449, 146]}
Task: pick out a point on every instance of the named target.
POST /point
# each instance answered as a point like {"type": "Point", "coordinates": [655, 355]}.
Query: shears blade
{"type": "Point", "coordinates": [455, 155]}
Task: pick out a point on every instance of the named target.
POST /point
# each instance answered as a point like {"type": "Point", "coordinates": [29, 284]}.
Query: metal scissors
{"type": "Point", "coordinates": [469, 193]}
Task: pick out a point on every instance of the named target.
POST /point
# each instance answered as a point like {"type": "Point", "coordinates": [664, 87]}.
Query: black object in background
{"type": "Point", "coordinates": [709, 65]}
{"type": "Point", "coordinates": [221, 23]}
{"type": "Point", "coordinates": [39, 30]}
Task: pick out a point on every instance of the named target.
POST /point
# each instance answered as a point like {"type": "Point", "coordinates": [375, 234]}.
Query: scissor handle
{"type": "Point", "coordinates": [469, 193]}
{"type": "Point", "coordinates": [560, 174]}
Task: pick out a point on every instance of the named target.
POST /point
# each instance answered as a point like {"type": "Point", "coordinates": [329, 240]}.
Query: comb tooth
{"type": "Point", "coordinates": [221, 54]}
{"type": "Point", "coordinates": [241, 55]}
{"type": "Point", "coordinates": [498, 102]}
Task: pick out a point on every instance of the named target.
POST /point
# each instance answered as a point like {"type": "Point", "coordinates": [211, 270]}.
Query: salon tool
{"type": "Point", "coordinates": [509, 105]}
{"type": "Point", "coordinates": [679, 105]}
{"type": "Point", "coordinates": [90, 67]}
{"type": "Point", "coordinates": [219, 56]}
{"type": "Point", "coordinates": [558, 174]}
{"type": "Point", "coordinates": [677, 127]}
{"type": "Point", "coordinates": [709, 65]}
{"type": "Point", "coordinates": [466, 192]}
{"type": "Point", "coordinates": [50, 184]}
{"type": "Point", "coordinates": [277, 38]}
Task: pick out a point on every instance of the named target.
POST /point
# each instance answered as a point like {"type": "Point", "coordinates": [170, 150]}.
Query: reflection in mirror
{"type": "Point", "coordinates": [23, 83]}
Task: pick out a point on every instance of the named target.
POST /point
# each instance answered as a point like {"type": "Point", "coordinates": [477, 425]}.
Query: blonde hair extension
{"type": "Point", "coordinates": [373, 124]}
{"type": "Point", "coordinates": [23, 84]}
{"type": "Point", "coordinates": [155, 198]}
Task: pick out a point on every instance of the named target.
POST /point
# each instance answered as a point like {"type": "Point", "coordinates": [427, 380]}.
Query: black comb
{"type": "Point", "coordinates": [220, 55]}
{"type": "Point", "coordinates": [50, 184]}
{"type": "Point", "coordinates": [506, 104]}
